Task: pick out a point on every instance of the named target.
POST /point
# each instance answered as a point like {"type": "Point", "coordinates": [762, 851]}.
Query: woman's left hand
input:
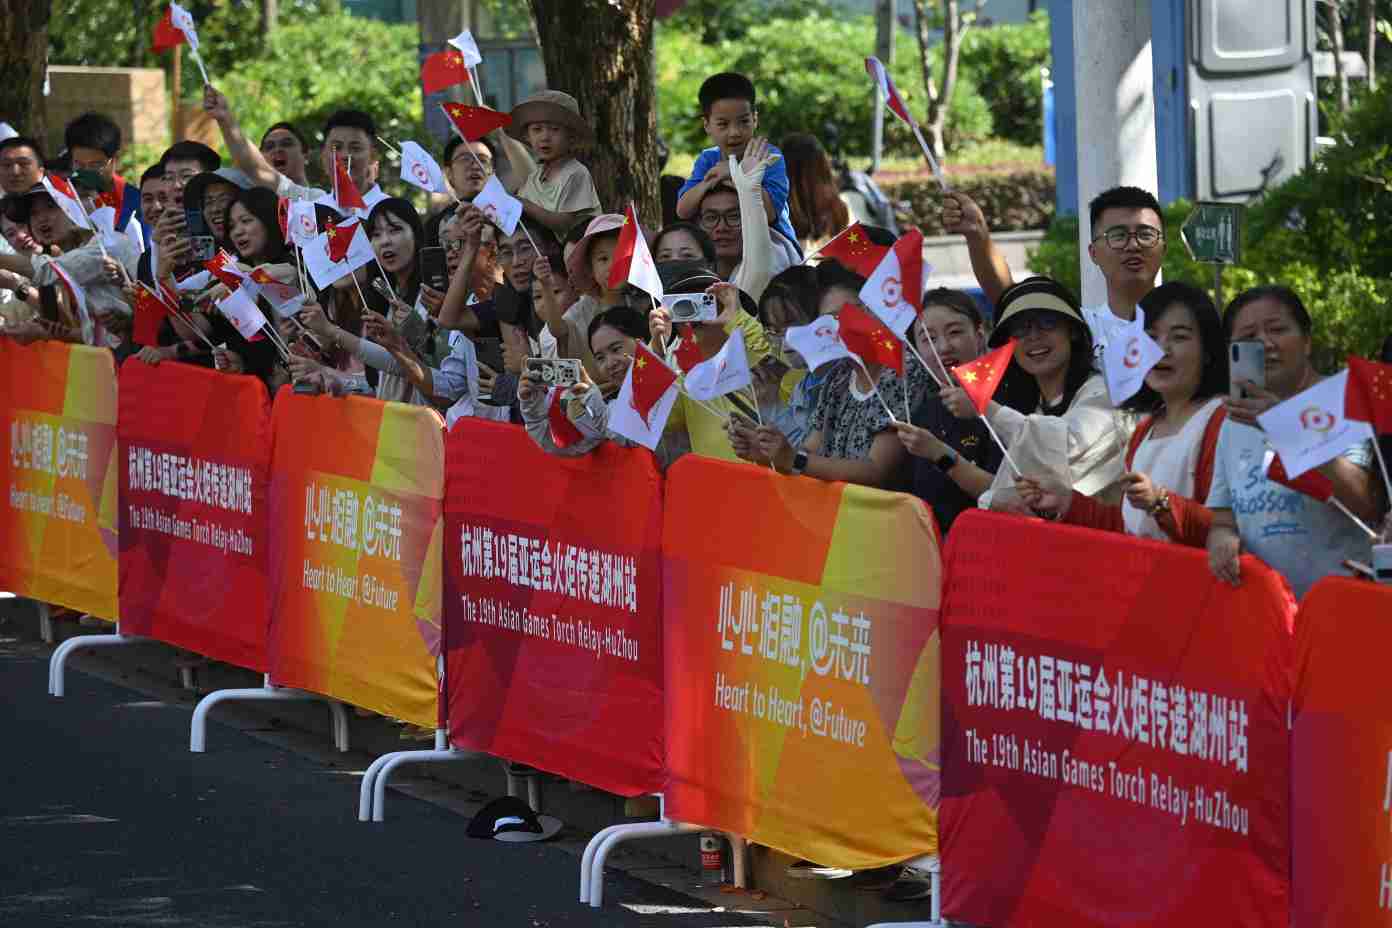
{"type": "Point", "coordinates": [433, 300]}
{"type": "Point", "coordinates": [727, 301]}
{"type": "Point", "coordinates": [377, 329]}
{"type": "Point", "coordinates": [958, 403]}
{"type": "Point", "coordinates": [774, 447]}
{"type": "Point", "coordinates": [1142, 493]}
{"type": "Point", "coordinates": [1257, 401]}
{"type": "Point", "coordinates": [516, 347]}
{"type": "Point", "coordinates": [229, 362]}
{"type": "Point", "coordinates": [921, 443]}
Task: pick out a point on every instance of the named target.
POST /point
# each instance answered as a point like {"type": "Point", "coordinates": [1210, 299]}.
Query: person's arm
{"type": "Point", "coordinates": [518, 158]}
{"type": "Point", "coordinates": [1355, 487]}
{"type": "Point", "coordinates": [922, 443]}
{"type": "Point", "coordinates": [773, 188]}
{"type": "Point", "coordinates": [755, 264]}
{"type": "Point", "coordinates": [877, 469]}
{"type": "Point", "coordinates": [17, 264]}
{"type": "Point", "coordinates": [557, 222]}
{"type": "Point", "coordinates": [454, 311]}
{"type": "Point", "coordinates": [962, 216]}
{"type": "Point", "coordinates": [1225, 547]}
{"type": "Point", "coordinates": [247, 156]}
{"type": "Point", "coordinates": [550, 312]}
{"type": "Point", "coordinates": [706, 173]}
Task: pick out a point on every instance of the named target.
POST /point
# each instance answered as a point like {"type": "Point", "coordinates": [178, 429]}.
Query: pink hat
{"type": "Point", "coordinates": [578, 260]}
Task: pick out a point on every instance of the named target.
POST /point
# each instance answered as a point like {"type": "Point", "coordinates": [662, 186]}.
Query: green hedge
{"type": "Point", "coordinates": [1004, 62]}
{"type": "Point", "coordinates": [1013, 201]}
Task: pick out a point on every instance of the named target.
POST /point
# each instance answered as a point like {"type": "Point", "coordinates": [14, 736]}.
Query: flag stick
{"type": "Point", "coordinates": [307, 333]}
{"type": "Point", "coordinates": [932, 162]}
{"type": "Point", "coordinates": [1382, 465]}
{"type": "Point", "coordinates": [874, 386]}
{"type": "Point", "coordinates": [520, 223]}
{"type": "Point", "coordinates": [754, 401]}
{"type": "Point", "coordinates": [936, 357]}
{"type": "Point", "coordinates": [198, 60]}
{"type": "Point", "coordinates": [1334, 501]}
{"type": "Point", "coordinates": [389, 146]}
{"type": "Point", "coordinates": [1000, 444]}
{"type": "Point", "coordinates": [361, 296]}
{"type": "Point", "coordinates": [474, 83]}
{"type": "Point", "coordinates": [914, 351]}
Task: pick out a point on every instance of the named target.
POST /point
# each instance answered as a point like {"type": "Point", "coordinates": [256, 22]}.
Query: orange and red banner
{"type": "Point", "coordinates": [1116, 749]}
{"type": "Point", "coordinates": [802, 652]}
{"type": "Point", "coordinates": [1341, 768]}
{"type": "Point", "coordinates": [194, 453]}
{"type": "Point", "coordinates": [355, 551]}
{"type": "Point", "coordinates": [553, 606]}
{"type": "Point", "coordinates": [58, 524]}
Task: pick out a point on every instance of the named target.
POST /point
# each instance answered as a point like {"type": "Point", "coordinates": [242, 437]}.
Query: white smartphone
{"type": "Point", "coordinates": [1246, 362]}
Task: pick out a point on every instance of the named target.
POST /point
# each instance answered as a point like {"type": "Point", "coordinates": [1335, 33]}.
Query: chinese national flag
{"type": "Point", "coordinates": [443, 69]}
{"type": "Point", "coordinates": [346, 193]}
{"type": "Point", "coordinates": [689, 353]}
{"type": "Point", "coordinates": [224, 267]}
{"type": "Point", "coordinates": [474, 122]}
{"type": "Point", "coordinates": [283, 217]}
{"type": "Point", "coordinates": [340, 238]}
{"type": "Point", "coordinates": [651, 379]}
{"type": "Point", "coordinates": [1369, 394]}
{"type": "Point", "coordinates": [150, 312]}
{"type": "Point", "coordinates": [981, 377]}
{"type": "Point", "coordinates": [166, 35]}
{"type": "Point", "coordinates": [870, 339]}
{"type": "Point", "coordinates": [563, 431]}
{"type": "Point", "coordinates": [853, 248]}
{"type": "Point", "coordinates": [1312, 483]}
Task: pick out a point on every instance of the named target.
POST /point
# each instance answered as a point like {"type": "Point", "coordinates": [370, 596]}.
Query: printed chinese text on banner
{"type": "Point", "coordinates": [1341, 748]}
{"type": "Point", "coordinates": [801, 643]}
{"type": "Point", "coordinates": [1115, 749]}
{"type": "Point", "coordinates": [194, 452]}
{"type": "Point", "coordinates": [552, 606]}
{"type": "Point", "coordinates": [356, 538]}
{"type": "Point", "coordinates": [58, 525]}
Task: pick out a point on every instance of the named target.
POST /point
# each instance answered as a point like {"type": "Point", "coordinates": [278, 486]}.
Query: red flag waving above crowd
{"type": "Point", "coordinates": [853, 248]}
{"type": "Point", "coordinates": [474, 122]}
{"type": "Point", "coordinates": [346, 193]}
{"type": "Point", "coordinates": [633, 262]}
{"type": "Point", "coordinates": [981, 377]}
{"type": "Point", "coordinates": [870, 339]}
{"type": "Point", "coordinates": [443, 69]}
{"type": "Point", "coordinates": [166, 35]}
{"type": "Point", "coordinates": [1369, 394]}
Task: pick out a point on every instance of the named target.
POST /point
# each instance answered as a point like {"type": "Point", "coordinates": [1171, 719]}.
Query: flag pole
{"type": "Point", "coordinates": [979, 414]}
{"type": "Point", "coordinates": [1382, 465]}
{"type": "Point", "coordinates": [475, 156]}
{"type": "Point", "coordinates": [936, 357]}
{"type": "Point", "coordinates": [389, 146]}
{"type": "Point", "coordinates": [1334, 501]}
{"type": "Point", "coordinates": [932, 162]}
{"type": "Point", "coordinates": [876, 387]}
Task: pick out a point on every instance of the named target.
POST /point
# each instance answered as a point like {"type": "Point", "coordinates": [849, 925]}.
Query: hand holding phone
{"type": "Point", "coordinates": [1246, 364]}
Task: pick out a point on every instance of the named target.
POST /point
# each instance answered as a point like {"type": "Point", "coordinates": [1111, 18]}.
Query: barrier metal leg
{"type": "Point", "coordinates": [198, 730]}
{"type": "Point", "coordinates": [620, 833]}
{"type": "Point", "coordinates": [372, 794]}
{"type": "Point", "coordinates": [60, 657]}
{"type": "Point", "coordinates": [739, 859]}
{"type": "Point", "coordinates": [587, 859]}
{"type": "Point", "coordinates": [45, 623]}
{"type": "Point", "coordinates": [931, 865]}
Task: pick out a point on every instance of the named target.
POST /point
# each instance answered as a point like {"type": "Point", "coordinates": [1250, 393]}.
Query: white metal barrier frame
{"type": "Point", "coordinates": [267, 692]}
{"type": "Point", "coordinates": [57, 662]}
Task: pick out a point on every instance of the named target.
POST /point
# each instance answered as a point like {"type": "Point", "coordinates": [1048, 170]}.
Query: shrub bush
{"type": "Point", "coordinates": [1004, 63]}
{"type": "Point", "coordinates": [1013, 201]}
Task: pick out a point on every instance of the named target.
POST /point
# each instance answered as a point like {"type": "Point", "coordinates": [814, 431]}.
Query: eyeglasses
{"type": "Point", "coordinates": [483, 160]}
{"type": "Point", "coordinates": [1028, 325]}
{"type": "Point", "coordinates": [452, 245]}
{"type": "Point", "coordinates": [710, 220]}
{"type": "Point", "coordinates": [1117, 237]}
{"type": "Point", "coordinates": [522, 251]}
{"type": "Point", "coordinates": [181, 178]}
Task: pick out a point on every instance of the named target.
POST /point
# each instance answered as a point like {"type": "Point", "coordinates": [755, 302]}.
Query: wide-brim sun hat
{"type": "Point", "coordinates": [578, 260]}
{"type": "Point", "coordinates": [18, 206]}
{"type": "Point", "coordinates": [1034, 294]}
{"type": "Point", "coordinates": [549, 106]}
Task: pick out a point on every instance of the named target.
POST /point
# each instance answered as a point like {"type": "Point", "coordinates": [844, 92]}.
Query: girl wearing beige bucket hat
{"type": "Point", "coordinates": [559, 191]}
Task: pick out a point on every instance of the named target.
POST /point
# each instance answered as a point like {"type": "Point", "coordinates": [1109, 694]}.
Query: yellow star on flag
{"type": "Point", "coordinates": [969, 376]}
{"type": "Point", "coordinates": [641, 363]}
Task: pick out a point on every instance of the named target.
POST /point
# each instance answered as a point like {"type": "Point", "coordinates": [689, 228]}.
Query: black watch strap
{"type": "Point", "coordinates": [948, 461]}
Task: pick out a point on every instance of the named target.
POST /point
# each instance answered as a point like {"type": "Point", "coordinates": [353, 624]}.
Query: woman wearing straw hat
{"type": "Point", "coordinates": [559, 191]}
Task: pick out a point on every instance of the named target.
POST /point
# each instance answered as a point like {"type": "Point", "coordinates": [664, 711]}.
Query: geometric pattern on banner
{"type": "Point", "coordinates": [802, 662]}
{"type": "Point", "coordinates": [58, 524]}
{"type": "Point", "coordinates": [1116, 749]}
{"type": "Point", "coordinates": [553, 606]}
{"type": "Point", "coordinates": [1341, 749]}
{"type": "Point", "coordinates": [194, 448]}
{"type": "Point", "coordinates": [356, 542]}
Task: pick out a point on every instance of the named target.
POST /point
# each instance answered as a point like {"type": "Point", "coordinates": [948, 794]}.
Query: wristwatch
{"type": "Point", "coordinates": [799, 463]}
{"type": "Point", "coordinates": [947, 461]}
{"type": "Point", "coordinates": [1162, 502]}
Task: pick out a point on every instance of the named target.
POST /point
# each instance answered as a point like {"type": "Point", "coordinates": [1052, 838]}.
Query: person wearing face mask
{"type": "Point", "coordinates": [1071, 431]}
{"type": "Point", "coordinates": [790, 301]}
{"type": "Point", "coordinates": [1170, 459]}
{"type": "Point", "coordinates": [955, 460]}
{"type": "Point", "coordinates": [1300, 537]}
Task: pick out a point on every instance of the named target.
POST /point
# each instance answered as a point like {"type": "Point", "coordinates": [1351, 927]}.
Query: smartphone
{"type": "Point", "coordinates": [554, 372]}
{"type": "Point", "coordinates": [204, 247]}
{"type": "Point", "coordinates": [489, 352]}
{"type": "Point", "coordinates": [1246, 361]}
{"type": "Point", "coordinates": [691, 307]}
{"type": "Point", "coordinates": [434, 273]}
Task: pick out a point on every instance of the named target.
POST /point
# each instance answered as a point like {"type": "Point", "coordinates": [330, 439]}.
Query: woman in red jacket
{"type": "Point", "coordinates": [1169, 460]}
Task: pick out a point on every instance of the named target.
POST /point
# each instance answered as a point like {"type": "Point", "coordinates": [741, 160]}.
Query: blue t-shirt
{"type": "Point", "coordinates": [775, 182]}
{"type": "Point", "coordinates": [1300, 537]}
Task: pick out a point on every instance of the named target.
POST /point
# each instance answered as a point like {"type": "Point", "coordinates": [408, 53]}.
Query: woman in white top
{"type": "Point", "coordinates": [1074, 433]}
{"type": "Point", "coordinates": [1169, 464]}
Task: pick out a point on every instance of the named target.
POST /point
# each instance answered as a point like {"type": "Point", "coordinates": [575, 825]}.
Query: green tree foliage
{"type": "Point", "coordinates": [808, 72]}
{"type": "Point", "coordinates": [1004, 62]}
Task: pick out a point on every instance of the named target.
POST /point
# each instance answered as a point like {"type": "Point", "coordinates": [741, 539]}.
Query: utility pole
{"type": "Point", "coordinates": [884, 50]}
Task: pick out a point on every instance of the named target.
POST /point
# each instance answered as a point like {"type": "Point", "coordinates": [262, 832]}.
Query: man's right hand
{"type": "Point", "coordinates": [215, 105]}
{"type": "Point", "coordinates": [961, 216]}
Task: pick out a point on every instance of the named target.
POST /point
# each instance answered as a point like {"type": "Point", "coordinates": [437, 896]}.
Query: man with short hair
{"type": "Point", "coordinates": [182, 162]}
{"type": "Point", "coordinates": [21, 165]}
{"type": "Point", "coordinates": [286, 151]}
{"type": "Point", "coordinates": [93, 142]}
{"type": "Point", "coordinates": [349, 135]}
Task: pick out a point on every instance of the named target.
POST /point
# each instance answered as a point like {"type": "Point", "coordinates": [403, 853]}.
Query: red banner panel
{"type": "Point", "coordinates": [552, 606]}
{"type": "Point", "coordinates": [1116, 749]}
{"type": "Point", "coordinates": [1341, 771]}
{"type": "Point", "coordinates": [194, 453]}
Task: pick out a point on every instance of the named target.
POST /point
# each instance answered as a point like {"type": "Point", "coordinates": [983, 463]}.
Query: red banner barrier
{"type": "Point", "coordinates": [552, 606]}
{"type": "Point", "coordinates": [1115, 733]}
{"type": "Point", "coordinates": [194, 448]}
{"type": "Point", "coordinates": [58, 523]}
{"type": "Point", "coordinates": [802, 662]}
{"type": "Point", "coordinates": [1341, 776]}
{"type": "Point", "coordinates": [355, 550]}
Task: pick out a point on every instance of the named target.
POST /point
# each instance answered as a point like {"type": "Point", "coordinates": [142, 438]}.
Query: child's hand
{"type": "Point", "coordinates": [541, 270]}
{"type": "Point", "coordinates": [756, 156]}
{"type": "Point", "coordinates": [719, 173]}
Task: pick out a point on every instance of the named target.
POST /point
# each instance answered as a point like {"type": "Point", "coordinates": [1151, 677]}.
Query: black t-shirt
{"type": "Point", "coordinates": [969, 438]}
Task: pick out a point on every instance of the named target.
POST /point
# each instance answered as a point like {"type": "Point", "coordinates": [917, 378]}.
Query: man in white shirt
{"type": "Point", "coordinates": [349, 135]}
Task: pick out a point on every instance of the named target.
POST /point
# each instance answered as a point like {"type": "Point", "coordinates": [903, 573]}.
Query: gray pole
{"type": "Point", "coordinates": [884, 50]}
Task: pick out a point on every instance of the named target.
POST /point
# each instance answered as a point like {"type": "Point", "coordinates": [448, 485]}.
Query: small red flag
{"type": "Point", "coordinates": [689, 354]}
{"type": "Point", "coordinates": [283, 217]}
{"type": "Point", "coordinates": [853, 248]}
{"type": "Point", "coordinates": [1369, 394]}
{"type": "Point", "coordinates": [443, 69]}
{"type": "Point", "coordinates": [223, 267]}
{"type": "Point", "coordinates": [166, 35]}
{"type": "Point", "coordinates": [563, 431]}
{"type": "Point", "coordinates": [474, 122]}
{"type": "Point", "coordinates": [346, 193]}
{"type": "Point", "coordinates": [651, 380]}
{"type": "Point", "coordinates": [870, 339]}
{"type": "Point", "coordinates": [981, 377]}
{"type": "Point", "coordinates": [340, 238]}
{"type": "Point", "coordinates": [1311, 483]}
{"type": "Point", "coordinates": [150, 312]}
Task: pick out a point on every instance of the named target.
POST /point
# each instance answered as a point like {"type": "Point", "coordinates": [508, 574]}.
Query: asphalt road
{"type": "Point", "coordinates": [107, 819]}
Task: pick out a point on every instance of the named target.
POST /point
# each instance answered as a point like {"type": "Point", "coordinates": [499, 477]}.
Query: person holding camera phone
{"type": "Point", "coordinates": [1298, 536]}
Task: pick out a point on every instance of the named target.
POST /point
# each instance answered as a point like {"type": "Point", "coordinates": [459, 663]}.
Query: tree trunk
{"type": "Point", "coordinates": [23, 59]}
{"type": "Point", "coordinates": [939, 100]}
{"type": "Point", "coordinates": [601, 53]}
{"type": "Point", "coordinates": [270, 12]}
{"type": "Point", "coordinates": [1336, 38]}
{"type": "Point", "coordinates": [1370, 32]}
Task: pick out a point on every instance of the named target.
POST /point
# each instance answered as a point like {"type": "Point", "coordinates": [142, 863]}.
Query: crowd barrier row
{"type": "Point", "coordinates": [1101, 732]}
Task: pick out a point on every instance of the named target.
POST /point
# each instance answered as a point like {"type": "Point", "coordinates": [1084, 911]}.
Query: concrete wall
{"type": "Point", "coordinates": [134, 97]}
